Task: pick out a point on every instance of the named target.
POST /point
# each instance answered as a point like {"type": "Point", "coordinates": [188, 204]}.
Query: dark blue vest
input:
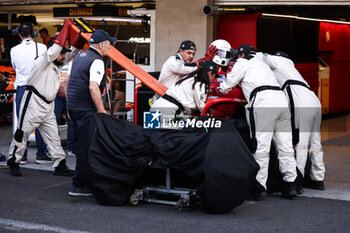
{"type": "Point", "coordinates": [79, 97]}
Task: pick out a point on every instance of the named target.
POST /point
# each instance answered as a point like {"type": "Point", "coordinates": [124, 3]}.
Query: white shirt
{"type": "Point", "coordinates": [65, 72]}
{"type": "Point", "coordinates": [22, 57]}
{"type": "Point", "coordinates": [251, 73]}
{"type": "Point", "coordinates": [174, 69]}
{"type": "Point", "coordinates": [97, 70]}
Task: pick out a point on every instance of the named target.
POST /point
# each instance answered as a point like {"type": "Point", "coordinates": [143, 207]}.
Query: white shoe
{"type": "Point", "coordinates": [23, 162]}
{"type": "Point", "coordinates": [70, 153]}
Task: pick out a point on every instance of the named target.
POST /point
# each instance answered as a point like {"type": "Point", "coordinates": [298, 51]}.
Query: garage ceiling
{"type": "Point", "coordinates": [280, 2]}
{"type": "Point", "coordinates": [321, 9]}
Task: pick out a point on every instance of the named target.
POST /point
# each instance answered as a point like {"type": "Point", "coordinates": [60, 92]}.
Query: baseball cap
{"type": "Point", "coordinates": [210, 66]}
{"type": "Point", "coordinates": [188, 45]}
{"type": "Point", "coordinates": [100, 36]}
{"type": "Point", "coordinates": [281, 53]}
{"type": "Point", "coordinates": [25, 29]}
{"type": "Point", "coordinates": [247, 49]}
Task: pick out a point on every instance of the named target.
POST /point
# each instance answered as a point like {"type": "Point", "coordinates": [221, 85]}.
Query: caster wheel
{"type": "Point", "coordinates": [179, 205]}
{"type": "Point", "coordinates": [136, 197]}
{"type": "Point", "coordinates": [134, 200]}
{"type": "Point", "coordinates": [183, 201]}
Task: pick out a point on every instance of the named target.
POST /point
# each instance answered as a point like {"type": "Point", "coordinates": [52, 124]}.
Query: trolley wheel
{"type": "Point", "coordinates": [179, 205]}
{"type": "Point", "coordinates": [134, 199]}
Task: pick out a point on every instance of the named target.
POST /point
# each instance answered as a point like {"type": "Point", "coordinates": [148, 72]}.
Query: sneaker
{"type": "Point", "coordinates": [42, 159]}
{"type": "Point", "coordinates": [75, 191]}
{"type": "Point", "coordinates": [62, 169]}
{"type": "Point", "coordinates": [2, 157]}
{"type": "Point", "coordinates": [24, 160]}
{"type": "Point", "coordinates": [289, 190]}
{"type": "Point", "coordinates": [70, 153]}
{"type": "Point", "coordinates": [14, 169]}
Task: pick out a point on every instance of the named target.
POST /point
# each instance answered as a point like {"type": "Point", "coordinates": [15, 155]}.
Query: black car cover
{"type": "Point", "coordinates": [218, 161]}
{"type": "Point", "coordinates": [230, 170]}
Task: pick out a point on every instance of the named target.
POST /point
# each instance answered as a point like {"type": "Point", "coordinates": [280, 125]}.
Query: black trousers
{"type": "Point", "coordinates": [84, 130]}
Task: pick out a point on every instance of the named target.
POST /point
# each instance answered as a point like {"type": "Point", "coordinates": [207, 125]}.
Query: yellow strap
{"type": "Point", "coordinates": [82, 24]}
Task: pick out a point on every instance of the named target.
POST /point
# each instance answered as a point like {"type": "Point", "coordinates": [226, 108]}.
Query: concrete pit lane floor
{"type": "Point", "coordinates": [39, 202]}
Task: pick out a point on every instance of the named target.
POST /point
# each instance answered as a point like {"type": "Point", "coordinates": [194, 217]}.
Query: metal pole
{"type": "Point", "coordinates": [9, 20]}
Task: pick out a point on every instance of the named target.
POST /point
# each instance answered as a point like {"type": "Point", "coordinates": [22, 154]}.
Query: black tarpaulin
{"type": "Point", "coordinates": [118, 154]}
{"type": "Point", "coordinates": [219, 161]}
{"type": "Point", "coordinates": [230, 170]}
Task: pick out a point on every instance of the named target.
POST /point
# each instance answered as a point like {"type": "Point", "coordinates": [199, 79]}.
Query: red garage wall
{"type": "Point", "coordinates": [334, 48]}
{"type": "Point", "coordinates": [309, 71]}
{"type": "Point", "coordinates": [242, 29]}
{"type": "Point", "coordinates": [238, 29]}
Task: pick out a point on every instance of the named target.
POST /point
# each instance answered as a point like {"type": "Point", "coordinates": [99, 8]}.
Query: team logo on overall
{"type": "Point", "coordinates": [151, 120]}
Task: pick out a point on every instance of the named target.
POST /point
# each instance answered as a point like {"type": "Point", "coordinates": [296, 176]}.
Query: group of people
{"type": "Point", "coordinates": [281, 107]}
{"type": "Point", "coordinates": [36, 111]}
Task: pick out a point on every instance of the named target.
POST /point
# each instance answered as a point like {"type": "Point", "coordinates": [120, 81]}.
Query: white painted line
{"type": "Point", "coordinates": [20, 225]}
{"type": "Point", "coordinates": [332, 194]}
{"type": "Point", "coordinates": [55, 185]}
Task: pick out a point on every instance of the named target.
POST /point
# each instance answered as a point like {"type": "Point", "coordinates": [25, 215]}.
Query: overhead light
{"type": "Point", "coordinates": [139, 12]}
{"type": "Point", "coordinates": [231, 9]}
{"type": "Point", "coordinates": [304, 18]}
{"type": "Point", "coordinates": [215, 10]}
{"type": "Point", "coordinates": [115, 19]}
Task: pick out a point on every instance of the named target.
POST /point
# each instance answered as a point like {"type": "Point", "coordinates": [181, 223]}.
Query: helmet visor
{"type": "Point", "coordinates": [224, 54]}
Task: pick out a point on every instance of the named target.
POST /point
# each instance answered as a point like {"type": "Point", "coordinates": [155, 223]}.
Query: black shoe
{"type": "Point", "coordinates": [299, 183]}
{"type": "Point", "coordinates": [318, 185]}
{"type": "Point", "coordinates": [62, 169]}
{"type": "Point", "coordinates": [300, 189]}
{"type": "Point", "coordinates": [75, 191]}
{"type": "Point", "coordinates": [255, 196]}
{"type": "Point", "coordinates": [289, 190]}
{"type": "Point", "coordinates": [258, 192]}
{"type": "Point", "coordinates": [2, 157]}
{"type": "Point", "coordinates": [14, 169]}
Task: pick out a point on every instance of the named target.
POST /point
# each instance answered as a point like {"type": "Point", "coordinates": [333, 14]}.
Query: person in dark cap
{"type": "Point", "coordinates": [268, 116]}
{"type": "Point", "coordinates": [181, 64]}
{"type": "Point", "coordinates": [37, 108]}
{"type": "Point", "coordinates": [188, 95]}
{"type": "Point", "coordinates": [306, 114]}
{"type": "Point", "coordinates": [246, 49]}
{"type": "Point", "coordinates": [86, 84]}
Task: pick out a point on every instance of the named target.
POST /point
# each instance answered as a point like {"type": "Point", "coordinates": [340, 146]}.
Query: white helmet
{"type": "Point", "coordinates": [224, 52]}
